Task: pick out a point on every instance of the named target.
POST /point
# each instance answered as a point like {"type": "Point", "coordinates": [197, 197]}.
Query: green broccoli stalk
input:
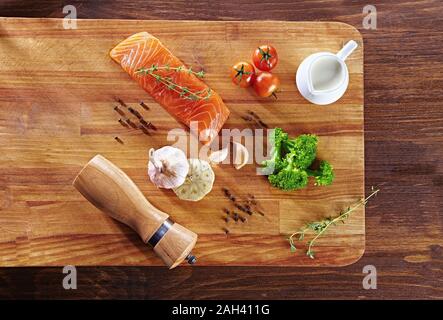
{"type": "Point", "coordinates": [289, 178]}
{"type": "Point", "coordinates": [324, 175]}
{"type": "Point", "coordinates": [275, 163]}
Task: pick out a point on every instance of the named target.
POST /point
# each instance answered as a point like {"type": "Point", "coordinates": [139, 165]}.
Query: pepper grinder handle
{"type": "Point", "coordinates": [112, 191]}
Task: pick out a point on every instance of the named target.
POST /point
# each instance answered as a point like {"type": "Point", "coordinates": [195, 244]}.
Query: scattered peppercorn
{"type": "Point", "coordinates": [135, 113]}
{"type": "Point", "coordinates": [132, 124]}
{"type": "Point", "coordinates": [144, 105]}
{"type": "Point", "coordinates": [119, 111]}
{"type": "Point", "coordinates": [121, 102]}
{"type": "Point", "coordinates": [144, 130]}
{"type": "Point", "coordinates": [122, 123]}
{"type": "Point", "coordinates": [262, 124]}
{"type": "Point", "coordinates": [247, 118]}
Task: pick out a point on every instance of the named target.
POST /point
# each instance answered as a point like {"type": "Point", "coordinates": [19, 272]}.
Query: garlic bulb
{"type": "Point", "coordinates": [167, 167]}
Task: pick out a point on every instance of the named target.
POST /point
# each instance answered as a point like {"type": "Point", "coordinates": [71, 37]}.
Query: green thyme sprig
{"type": "Point", "coordinates": [184, 92]}
{"type": "Point", "coordinates": [166, 67]}
{"type": "Point", "coordinates": [319, 227]}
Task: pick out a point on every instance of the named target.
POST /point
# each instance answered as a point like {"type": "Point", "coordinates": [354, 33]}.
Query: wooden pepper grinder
{"type": "Point", "coordinates": [112, 191]}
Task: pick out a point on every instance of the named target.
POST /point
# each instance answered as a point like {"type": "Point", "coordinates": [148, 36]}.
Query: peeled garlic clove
{"type": "Point", "coordinates": [219, 156]}
{"type": "Point", "coordinates": [241, 155]}
{"type": "Point", "coordinates": [167, 167]}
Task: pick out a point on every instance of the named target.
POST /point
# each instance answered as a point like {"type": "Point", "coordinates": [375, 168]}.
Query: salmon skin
{"type": "Point", "coordinates": [142, 50]}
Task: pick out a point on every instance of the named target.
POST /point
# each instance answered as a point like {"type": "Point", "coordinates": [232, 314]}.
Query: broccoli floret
{"type": "Point", "coordinates": [324, 175]}
{"type": "Point", "coordinates": [303, 149]}
{"type": "Point", "coordinates": [289, 178]}
{"type": "Point", "coordinates": [275, 163]}
{"type": "Point", "coordinates": [288, 167]}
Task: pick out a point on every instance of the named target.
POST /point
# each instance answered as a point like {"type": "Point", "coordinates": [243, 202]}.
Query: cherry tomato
{"type": "Point", "coordinates": [242, 74]}
{"type": "Point", "coordinates": [265, 58]}
{"type": "Point", "coordinates": [266, 84]}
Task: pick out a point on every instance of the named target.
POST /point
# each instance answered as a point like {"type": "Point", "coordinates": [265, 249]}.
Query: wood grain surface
{"type": "Point", "coordinates": [65, 115]}
{"type": "Point", "coordinates": [403, 148]}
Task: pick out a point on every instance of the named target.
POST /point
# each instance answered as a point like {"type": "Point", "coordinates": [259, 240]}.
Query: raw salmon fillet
{"type": "Point", "coordinates": [143, 50]}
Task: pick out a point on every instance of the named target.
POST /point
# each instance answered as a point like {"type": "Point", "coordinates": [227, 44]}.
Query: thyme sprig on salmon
{"type": "Point", "coordinates": [167, 67]}
{"type": "Point", "coordinates": [184, 92]}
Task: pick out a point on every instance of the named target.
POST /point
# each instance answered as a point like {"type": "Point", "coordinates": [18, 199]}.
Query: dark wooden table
{"type": "Point", "coordinates": [404, 151]}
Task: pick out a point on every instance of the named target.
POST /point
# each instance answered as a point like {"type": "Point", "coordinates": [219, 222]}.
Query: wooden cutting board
{"type": "Point", "coordinates": [57, 90]}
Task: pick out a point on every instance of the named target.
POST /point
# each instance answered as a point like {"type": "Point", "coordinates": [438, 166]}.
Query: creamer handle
{"type": "Point", "coordinates": [347, 49]}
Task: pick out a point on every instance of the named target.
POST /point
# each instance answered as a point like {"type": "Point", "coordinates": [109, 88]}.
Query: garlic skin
{"type": "Point", "coordinates": [167, 167]}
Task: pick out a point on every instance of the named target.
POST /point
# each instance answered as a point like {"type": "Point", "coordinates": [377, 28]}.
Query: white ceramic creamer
{"type": "Point", "coordinates": [323, 77]}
